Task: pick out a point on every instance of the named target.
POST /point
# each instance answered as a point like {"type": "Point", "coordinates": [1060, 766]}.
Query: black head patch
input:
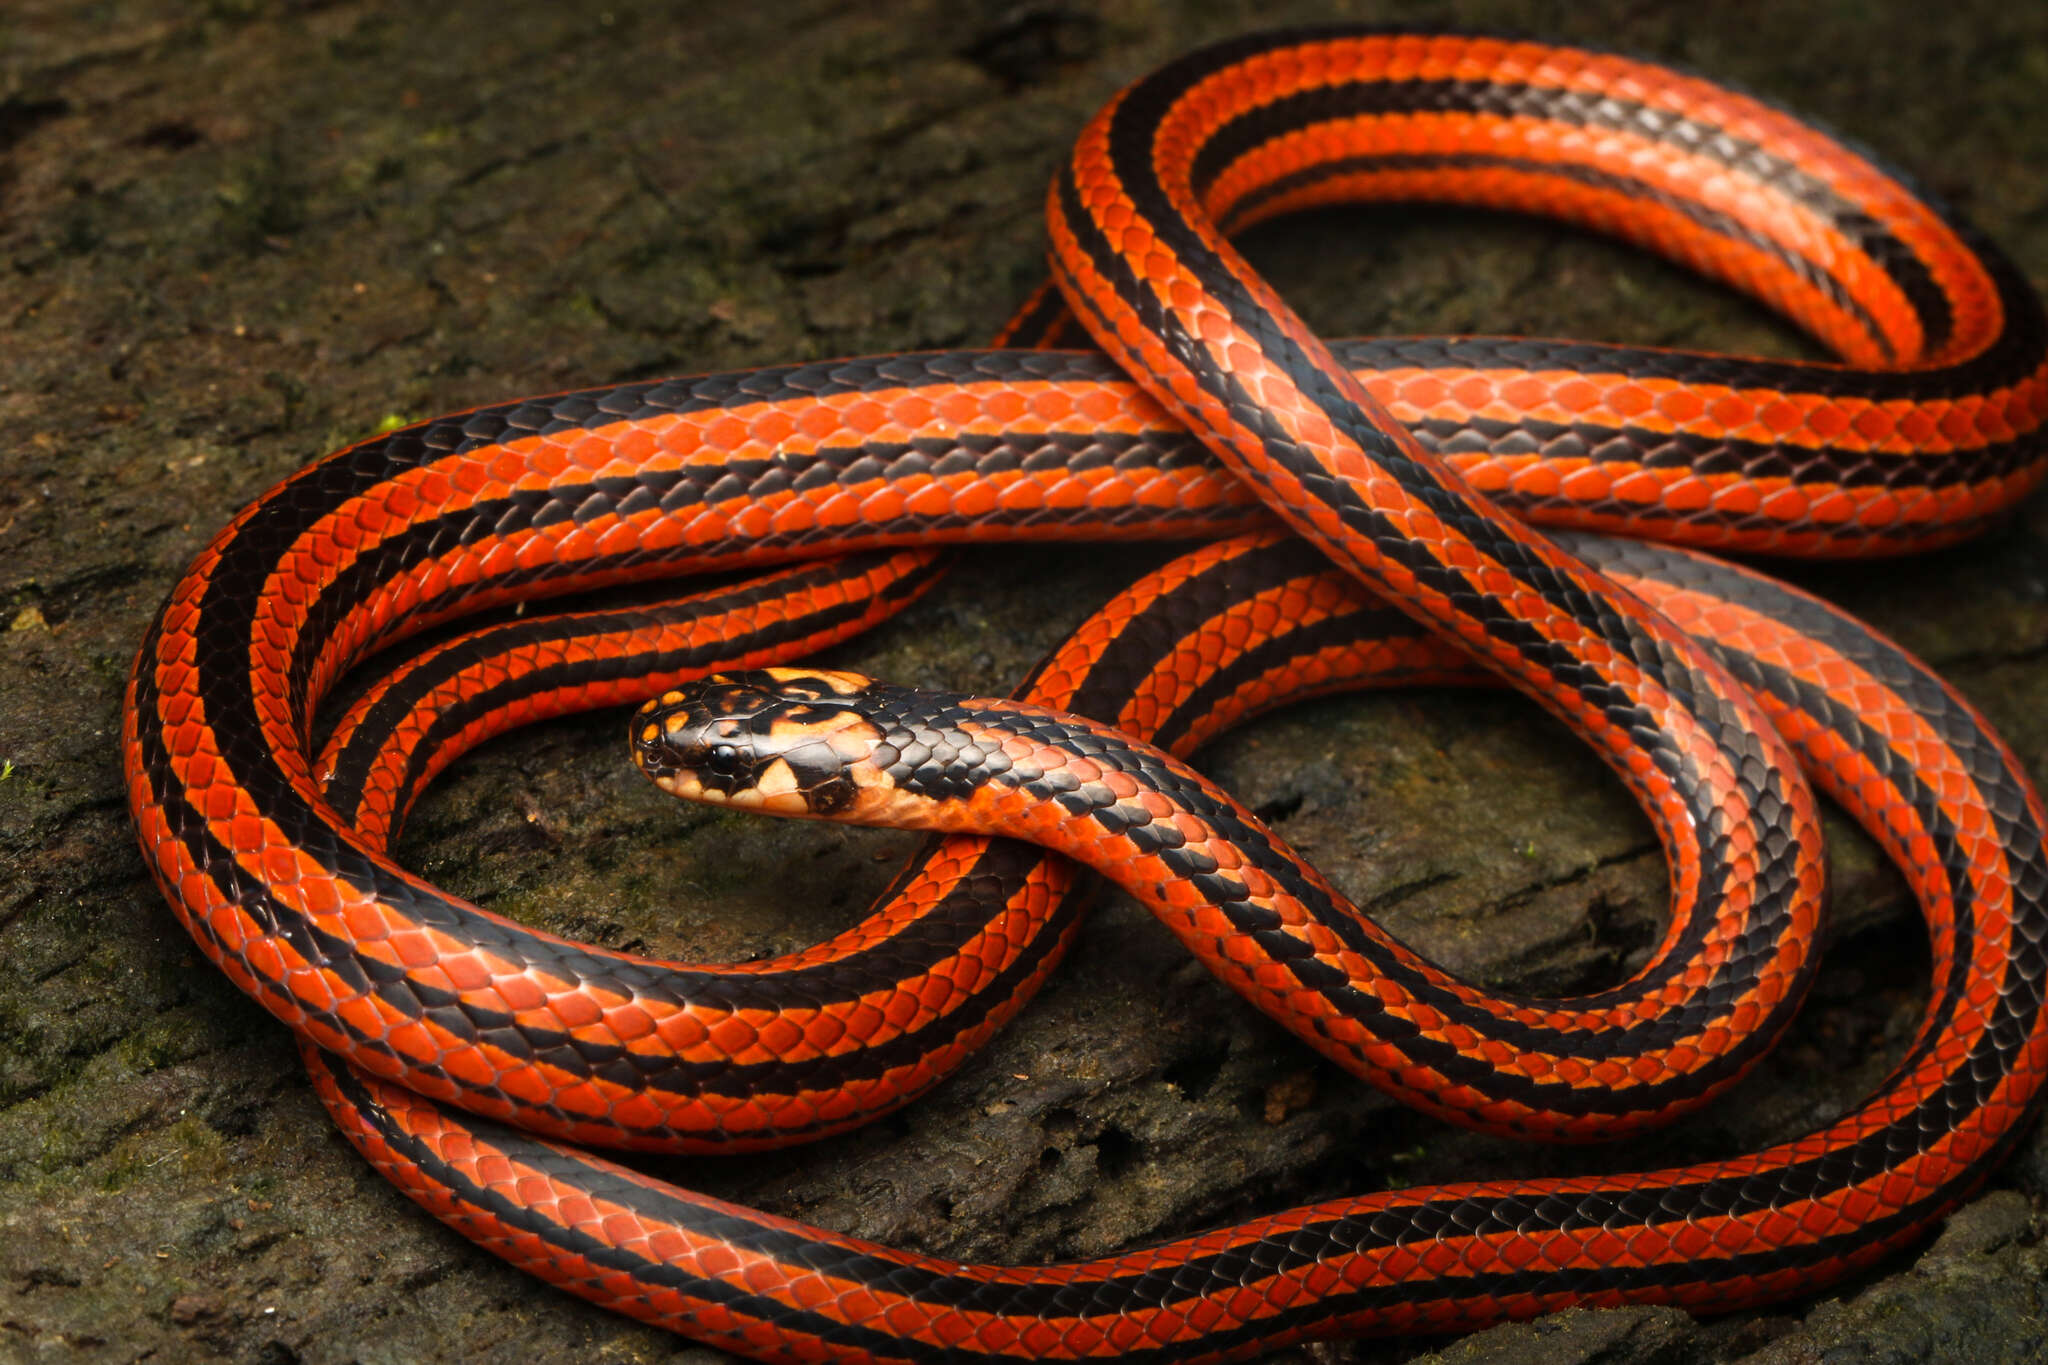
{"type": "Point", "coordinates": [728, 733]}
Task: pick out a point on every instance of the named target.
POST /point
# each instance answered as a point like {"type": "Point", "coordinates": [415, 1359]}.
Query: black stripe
{"type": "Point", "coordinates": [2018, 354]}
{"type": "Point", "coordinates": [1262, 851]}
{"type": "Point", "coordinates": [1967, 1087]}
{"type": "Point", "coordinates": [1589, 109]}
{"type": "Point", "coordinates": [1776, 884]}
{"type": "Point", "coordinates": [225, 626]}
{"type": "Point", "coordinates": [1655, 1198]}
{"type": "Point", "coordinates": [2021, 349]}
{"type": "Point", "coordinates": [1151, 635]}
{"type": "Point", "coordinates": [1706, 219]}
{"type": "Point", "coordinates": [226, 621]}
{"type": "Point", "coordinates": [955, 919]}
{"type": "Point", "coordinates": [938, 936]}
{"type": "Point", "coordinates": [612, 1185]}
{"type": "Point", "coordinates": [1275, 655]}
{"type": "Point", "coordinates": [1989, 1062]}
{"type": "Point", "coordinates": [678, 492]}
{"type": "Point", "coordinates": [381, 721]}
{"type": "Point", "coordinates": [979, 897]}
{"type": "Point", "coordinates": [2001, 792]}
{"type": "Point", "coordinates": [1527, 558]}
{"type": "Point", "coordinates": [1645, 1200]}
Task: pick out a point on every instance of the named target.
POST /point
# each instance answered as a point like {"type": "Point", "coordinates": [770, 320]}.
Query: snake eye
{"type": "Point", "coordinates": [724, 758]}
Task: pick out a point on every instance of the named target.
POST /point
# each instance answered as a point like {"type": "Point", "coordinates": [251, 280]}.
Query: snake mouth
{"type": "Point", "coordinates": [783, 741]}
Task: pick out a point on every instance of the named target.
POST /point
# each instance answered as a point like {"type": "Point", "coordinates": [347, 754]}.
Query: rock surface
{"type": "Point", "coordinates": [241, 233]}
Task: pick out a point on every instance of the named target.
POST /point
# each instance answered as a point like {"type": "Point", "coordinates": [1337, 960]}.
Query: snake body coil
{"type": "Point", "coordinates": [437, 1032]}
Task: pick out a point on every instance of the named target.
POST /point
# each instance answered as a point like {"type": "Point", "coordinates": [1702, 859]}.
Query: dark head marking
{"type": "Point", "coordinates": [784, 740]}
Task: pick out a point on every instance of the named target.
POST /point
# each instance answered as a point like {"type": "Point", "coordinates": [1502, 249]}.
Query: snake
{"type": "Point", "coordinates": [463, 1053]}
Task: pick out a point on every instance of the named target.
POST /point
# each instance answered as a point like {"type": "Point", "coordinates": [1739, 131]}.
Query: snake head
{"type": "Point", "coordinates": [789, 741]}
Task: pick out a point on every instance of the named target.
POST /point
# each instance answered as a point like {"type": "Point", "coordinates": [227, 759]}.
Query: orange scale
{"type": "Point", "coordinates": [1680, 1059]}
{"type": "Point", "coordinates": [934, 499]}
{"type": "Point", "coordinates": [469, 479]}
{"type": "Point", "coordinates": [1631, 401]}
{"type": "Point", "coordinates": [682, 441]}
{"type": "Point", "coordinates": [503, 468]}
{"type": "Point", "coordinates": [883, 505]}
{"type": "Point", "coordinates": [1873, 424]}
{"type": "Point", "coordinates": [901, 1010]}
{"type": "Point", "coordinates": [936, 994]}
{"type": "Point", "coordinates": [1643, 488]}
{"type": "Point", "coordinates": [1881, 510]}
{"type": "Point", "coordinates": [1428, 392]}
{"type": "Point", "coordinates": [325, 553]}
{"type": "Point", "coordinates": [1587, 484]}
{"type": "Point", "coordinates": [1526, 392]}
{"type": "Point", "coordinates": [1098, 405]}
{"type": "Point", "coordinates": [619, 1227]}
{"type": "Point", "coordinates": [770, 426]}
{"type": "Point", "coordinates": [495, 1170]}
{"type": "Point", "coordinates": [1121, 784]}
{"type": "Point", "coordinates": [1214, 327]}
{"type": "Point", "coordinates": [414, 1042]}
{"type": "Point", "coordinates": [265, 959]}
{"type": "Point", "coordinates": [177, 680]}
{"type": "Point", "coordinates": [571, 1009]}
{"type": "Point", "coordinates": [1519, 1252]}
{"type": "Point", "coordinates": [1920, 424]}
{"type": "Point", "coordinates": [839, 508]}
{"type": "Point", "coordinates": [1474, 391]}
{"type": "Point", "coordinates": [1963, 427]}
{"type": "Point", "coordinates": [220, 804]}
{"type": "Point", "coordinates": [817, 422]}
{"type": "Point", "coordinates": [202, 767]}
{"type": "Point", "coordinates": [414, 949]}
{"type": "Point", "coordinates": [1739, 499]}
{"type": "Point", "coordinates": [585, 1101]}
{"type": "Point", "coordinates": [1831, 508]}
{"type": "Point", "coordinates": [625, 1022]}
{"type": "Point", "coordinates": [467, 1067]}
{"type": "Point", "coordinates": [1822, 1220]}
{"type": "Point", "coordinates": [1050, 404]}
{"type": "Point", "coordinates": [552, 460]}
{"type": "Point", "coordinates": [530, 1188]}
{"type": "Point", "coordinates": [620, 537]}
{"type": "Point", "coordinates": [1899, 1188]}
{"type": "Point", "coordinates": [781, 1035]}
{"type": "Point", "coordinates": [864, 414]}
{"type": "Point", "coordinates": [1731, 413]}
{"type": "Point", "coordinates": [1828, 420]}
{"type": "Point", "coordinates": [403, 502]}
{"type": "Point", "coordinates": [1782, 416]}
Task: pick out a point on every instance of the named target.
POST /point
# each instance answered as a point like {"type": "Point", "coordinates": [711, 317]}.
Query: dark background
{"type": "Point", "coordinates": [238, 234]}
